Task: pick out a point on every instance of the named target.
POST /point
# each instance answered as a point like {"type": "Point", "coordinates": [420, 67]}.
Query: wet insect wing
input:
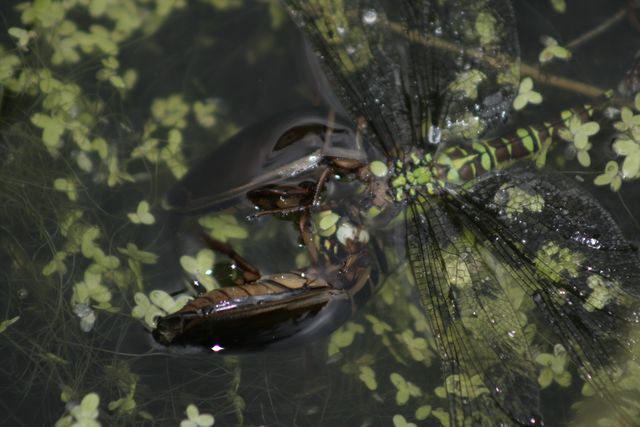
{"type": "Point", "coordinates": [520, 252]}
{"type": "Point", "coordinates": [270, 151]}
{"type": "Point", "coordinates": [462, 63]}
{"type": "Point", "coordinates": [437, 67]}
{"type": "Point", "coordinates": [355, 48]}
{"type": "Point", "coordinates": [471, 315]}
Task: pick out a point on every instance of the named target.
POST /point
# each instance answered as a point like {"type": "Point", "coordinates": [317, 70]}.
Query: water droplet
{"type": "Point", "coordinates": [370, 17]}
{"type": "Point", "coordinates": [435, 135]}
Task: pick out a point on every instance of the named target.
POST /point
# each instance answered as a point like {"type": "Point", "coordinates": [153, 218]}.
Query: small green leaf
{"type": "Point", "coordinates": [223, 227]}
{"type": "Point", "coordinates": [142, 215]}
{"type": "Point", "coordinates": [90, 402]}
{"type": "Point", "coordinates": [67, 186]}
{"type": "Point", "coordinates": [133, 252]}
{"type": "Point", "coordinates": [205, 112]}
{"type": "Point", "coordinates": [52, 130]}
{"type": "Point", "coordinates": [526, 95]}
{"type": "Point", "coordinates": [378, 168]}
{"type": "Point", "coordinates": [23, 37]}
{"type": "Point", "coordinates": [201, 267]}
{"type": "Point", "coordinates": [423, 412]}
{"type": "Point", "coordinates": [559, 6]}
{"type": "Point", "coordinates": [400, 421]}
{"type": "Point", "coordinates": [196, 419]}
{"type": "Point", "coordinates": [553, 51]}
{"type": "Point", "coordinates": [368, 377]}
{"type": "Point", "coordinates": [56, 265]}
{"type": "Point", "coordinates": [88, 245]}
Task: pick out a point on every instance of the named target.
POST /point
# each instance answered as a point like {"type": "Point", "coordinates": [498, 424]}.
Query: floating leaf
{"type": "Point", "coordinates": [611, 176]}
{"type": "Point", "coordinates": [559, 6]}
{"type": "Point", "coordinates": [196, 419]}
{"type": "Point", "coordinates": [379, 327]}
{"type": "Point", "coordinates": [142, 215]}
{"type": "Point", "coordinates": [205, 113]}
{"type": "Point", "coordinates": [378, 168]}
{"type": "Point", "coordinates": [368, 377]}
{"type": "Point", "coordinates": [223, 227]}
{"type": "Point", "coordinates": [526, 95]}
{"type": "Point", "coordinates": [400, 421]}
{"type": "Point", "coordinates": [67, 186]}
{"type": "Point", "coordinates": [201, 267]}
{"type": "Point", "coordinates": [52, 130]}
{"type": "Point", "coordinates": [552, 51]}
{"type": "Point", "coordinates": [417, 346]}
{"type": "Point", "coordinates": [22, 36]}
{"type": "Point", "coordinates": [423, 412]}
{"type": "Point", "coordinates": [554, 367]}
{"type": "Point", "coordinates": [144, 309]}
{"type": "Point", "coordinates": [343, 337]}
{"type": "Point", "coordinates": [170, 112]}
{"type": "Point", "coordinates": [405, 388]}
{"type": "Point", "coordinates": [91, 289]}
{"type": "Point", "coordinates": [86, 412]}
{"type": "Point", "coordinates": [88, 246]}
{"type": "Point", "coordinates": [133, 252]}
{"type": "Point", "coordinates": [56, 265]}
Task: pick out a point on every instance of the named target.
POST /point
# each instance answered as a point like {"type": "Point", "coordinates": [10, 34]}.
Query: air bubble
{"type": "Point", "coordinates": [370, 17]}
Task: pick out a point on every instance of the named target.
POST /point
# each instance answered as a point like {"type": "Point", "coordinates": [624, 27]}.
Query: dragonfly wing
{"type": "Point", "coordinates": [550, 242]}
{"type": "Point", "coordinates": [450, 64]}
{"type": "Point", "coordinates": [355, 46]}
{"type": "Point", "coordinates": [487, 365]}
{"type": "Point", "coordinates": [463, 61]}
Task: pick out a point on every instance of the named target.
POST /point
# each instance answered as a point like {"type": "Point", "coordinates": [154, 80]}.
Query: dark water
{"type": "Point", "coordinates": [249, 60]}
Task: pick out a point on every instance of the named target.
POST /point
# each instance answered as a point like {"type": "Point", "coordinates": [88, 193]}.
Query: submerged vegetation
{"type": "Point", "coordinates": [102, 111]}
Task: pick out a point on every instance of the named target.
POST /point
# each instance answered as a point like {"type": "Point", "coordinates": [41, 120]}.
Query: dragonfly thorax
{"type": "Point", "coordinates": [412, 175]}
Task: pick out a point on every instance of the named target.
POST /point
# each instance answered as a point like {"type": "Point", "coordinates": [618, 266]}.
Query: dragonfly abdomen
{"type": "Point", "coordinates": [462, 163]}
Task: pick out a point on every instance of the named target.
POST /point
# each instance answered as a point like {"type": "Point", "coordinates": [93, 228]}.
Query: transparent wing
{"type": "Point", "coordinates": [531, 252]}
{"type": "Point", "coordinates": [487, 364]}
{"type": "Point", "coordinates": [408, 66]}
{"type": "Point", "coordinates": [463, 62]}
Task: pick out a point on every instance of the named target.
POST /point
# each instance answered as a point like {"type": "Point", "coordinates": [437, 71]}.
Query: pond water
{"type": "Point", "coordinates": [107, 103]}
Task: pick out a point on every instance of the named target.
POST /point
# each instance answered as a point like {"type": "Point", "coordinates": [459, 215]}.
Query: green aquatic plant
{"type": "Point", "coordinates": [553, 51]}
{"type": "Point", "coordinates": [82, 150]}
{"type": "Point", "coordinates": [196, 419]}
{"type": "Point", "coordinates": [526, 95]}
{"type": "Point", "coordinates": [83, 414]}
{"type": "Point", "coordinates": [142, 215]}
{"type": "Point", "coordinates": [200, 267]}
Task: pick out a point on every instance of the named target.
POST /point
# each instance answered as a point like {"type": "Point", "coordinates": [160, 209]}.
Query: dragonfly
{"type": "Point", "coordinates": [506, 257]}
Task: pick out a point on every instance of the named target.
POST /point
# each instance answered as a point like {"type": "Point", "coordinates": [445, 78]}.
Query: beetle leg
{"type": "Point", "coordinates": [250, 273]}
{"type": "Point", "coordinates": [307, 236]}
